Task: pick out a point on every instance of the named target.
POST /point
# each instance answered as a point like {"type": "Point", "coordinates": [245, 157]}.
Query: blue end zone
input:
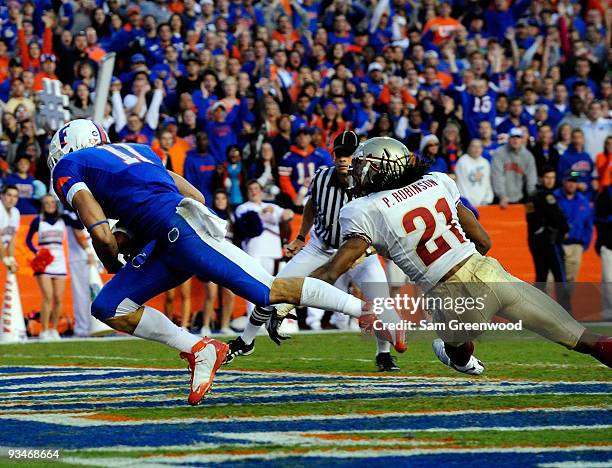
{"type": "Point", "coordinates": [42, 434]}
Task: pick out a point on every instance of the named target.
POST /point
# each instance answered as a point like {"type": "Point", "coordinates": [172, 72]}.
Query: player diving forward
{"type": "Point", "coordinates": [416, 220]}
{"type": "Point", "coordinates": [100, 180]}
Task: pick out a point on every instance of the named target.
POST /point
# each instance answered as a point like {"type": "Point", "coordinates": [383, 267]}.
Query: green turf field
{"type": "Point", "coordinates": [316, 398]}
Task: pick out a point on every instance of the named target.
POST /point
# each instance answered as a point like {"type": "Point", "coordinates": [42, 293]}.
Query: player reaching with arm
{"type": "Point", "coordinates": [163, 211]}
{"type": "Point", "coordinates": [416, 220]}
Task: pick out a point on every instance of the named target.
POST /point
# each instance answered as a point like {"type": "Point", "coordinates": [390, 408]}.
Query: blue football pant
{"type": "Point", "coordinates": [172, 263]}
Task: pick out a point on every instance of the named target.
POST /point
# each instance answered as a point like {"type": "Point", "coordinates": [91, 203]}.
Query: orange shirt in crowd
{"type": "Point", "coordinates": [444, 27]}
{"type": "Point", "coordinates": [95, 53]}
{"type": "Point", "coordinates": [178, 153]}
{"type": "Point", "coordinates": [4, 68]}
{"type": "Point", "coordinates": [38, 80]}
{"type": "Point", "coordinates": [407, 98]}
{"type": "Point", "coordinates": [287, 39]}
{"type": "Point", "coordinates": [603, 163]}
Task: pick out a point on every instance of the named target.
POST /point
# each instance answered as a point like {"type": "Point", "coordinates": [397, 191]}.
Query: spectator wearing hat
{"type": "Point", "coordinates": [47, 70]}
{"type": "Point", "coordinates": [579, 215]}
{"type": "Point", "coordinates": [575, 159]}
{"type": "Point", "coordinates": [375, 81]}
{"type": "Point", "coordinates": [474, 175]}
{"type": "Point", "coordinates": [429, 147]}
{"type": "Point", "coordinates": [298, 166]}
{"type": "Point", "coordinates": [220, 129]}
{"type": "Point", "coordinates": [513, 172]}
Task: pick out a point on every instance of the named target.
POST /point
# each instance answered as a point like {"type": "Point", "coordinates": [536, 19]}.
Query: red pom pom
{"type": "Point", "coordinates": [42, 260]}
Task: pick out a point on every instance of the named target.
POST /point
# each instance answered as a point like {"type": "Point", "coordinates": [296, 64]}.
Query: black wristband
{"type": "Point", "coordinates": [301, 238]}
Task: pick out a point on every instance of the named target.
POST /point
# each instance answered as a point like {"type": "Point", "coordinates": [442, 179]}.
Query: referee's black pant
{"type": "Point", "coordinates": [548, 257]}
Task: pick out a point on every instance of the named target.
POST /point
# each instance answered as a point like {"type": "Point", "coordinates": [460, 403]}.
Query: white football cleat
{"type": "Point", "coordinates": [205, 358]}
{"type": "Point", "coordinates": [473, 367]}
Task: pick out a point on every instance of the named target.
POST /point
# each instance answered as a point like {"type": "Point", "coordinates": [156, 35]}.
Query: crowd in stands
{"type": "Point", "coordinates": [227, 91]}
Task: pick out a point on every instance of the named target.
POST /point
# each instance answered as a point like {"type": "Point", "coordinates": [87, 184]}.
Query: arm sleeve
{"type": "Point", "coordinates": [118, 112]}
{"type": "Point", "coordinates": [356, 222]}
{"type": "Point", "coordinates": [30, 235]}
{"type": "Point", "coordinates": [286, 186]}
{"type": "Point", "coordinates": [47, 47]}
{"type": "Point", "coordinates": [152, 117]}
{"type": "Point", "coordinates": [23, 49]}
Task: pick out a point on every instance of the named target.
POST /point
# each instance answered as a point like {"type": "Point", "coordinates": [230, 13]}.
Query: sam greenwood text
{"type": "Point", "coordinates": [453, 325]}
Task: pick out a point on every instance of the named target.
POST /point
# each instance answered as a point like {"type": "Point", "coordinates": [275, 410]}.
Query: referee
{"type": "Point", "coordinates": [328, 193]}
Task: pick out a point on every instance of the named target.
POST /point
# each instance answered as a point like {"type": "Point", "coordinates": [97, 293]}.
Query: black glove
{"type": "Point", "coordinates": [273, 325]}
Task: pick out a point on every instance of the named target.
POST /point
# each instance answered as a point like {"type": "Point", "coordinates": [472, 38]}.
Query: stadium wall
{"type": "Point", "coordinates": [507, 229]}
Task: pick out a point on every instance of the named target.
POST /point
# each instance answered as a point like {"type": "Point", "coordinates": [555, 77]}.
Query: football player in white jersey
{"type": "Point", "coordinates": [417, 220]}
{"type": "Point", "coordinates": [9, 223]}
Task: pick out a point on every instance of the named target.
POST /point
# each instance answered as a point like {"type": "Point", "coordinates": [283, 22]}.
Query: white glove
{"type": "Point", "coordinates": [8, 261]}
{"type": "Point", "coordinates": [282, 310]}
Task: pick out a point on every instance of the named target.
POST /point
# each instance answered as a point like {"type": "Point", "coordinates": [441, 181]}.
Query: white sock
{"type": "Point", "coordinates": [250, 332]}
{"type": "Point", "coordinates": [155, 326]}
{"type": "Point", "coordinates": [319, 294]}
{"type": "Point", "coordinates": [382, 346]}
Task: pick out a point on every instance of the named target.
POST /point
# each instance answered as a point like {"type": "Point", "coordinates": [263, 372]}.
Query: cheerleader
{"type": "Point", "coordinates": [49, 265]}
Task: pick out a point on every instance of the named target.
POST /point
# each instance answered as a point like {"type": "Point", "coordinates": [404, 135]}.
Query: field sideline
{"type": "Point", "coordinates": [316, 400]}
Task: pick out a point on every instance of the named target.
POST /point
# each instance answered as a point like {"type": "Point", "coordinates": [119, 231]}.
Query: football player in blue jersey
{"type": "Point", "coordinates": [181, 237]}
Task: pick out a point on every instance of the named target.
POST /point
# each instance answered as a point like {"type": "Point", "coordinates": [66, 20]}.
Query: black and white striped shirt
{"type": "Point", "coordinates": [328, 197]}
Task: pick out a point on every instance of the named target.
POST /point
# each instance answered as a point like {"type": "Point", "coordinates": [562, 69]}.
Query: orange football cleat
{"type": "Point", "coordinates": [205, 358]}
